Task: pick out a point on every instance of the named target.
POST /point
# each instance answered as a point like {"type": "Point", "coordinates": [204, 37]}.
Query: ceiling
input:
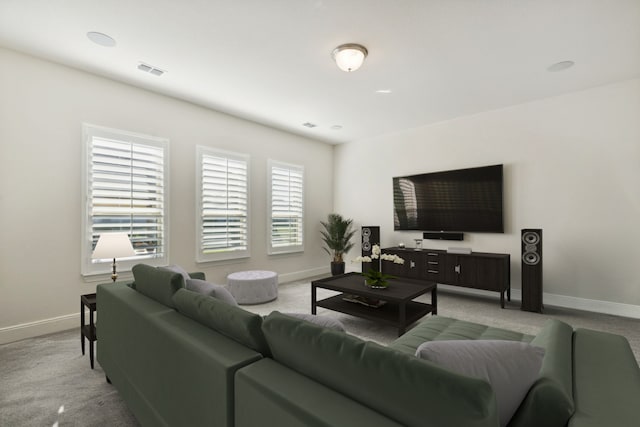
{"type": "Point", "coordinates": [270, 60]}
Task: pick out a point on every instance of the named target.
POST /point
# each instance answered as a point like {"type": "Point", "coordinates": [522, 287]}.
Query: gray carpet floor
{"type": "Point", "coordinates": [45, 381]}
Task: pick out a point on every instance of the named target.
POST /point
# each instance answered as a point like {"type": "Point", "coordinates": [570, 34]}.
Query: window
{"type": "Point", "coordinates": [222, 216]}
{"type": "Point", "coordinates": [286, 208]}
{"type": "Point", "coordinates": [125, 185]}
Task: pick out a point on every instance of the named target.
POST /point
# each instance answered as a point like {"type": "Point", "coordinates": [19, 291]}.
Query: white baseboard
{"type": "Point", "coordinates": [304, 274]}
{"type": "Point", "coordinates": [596, 306]}
{"type": "Point", "coordinates": [70, 321]}
{"type": "Point", "coordinates": [40, 327]}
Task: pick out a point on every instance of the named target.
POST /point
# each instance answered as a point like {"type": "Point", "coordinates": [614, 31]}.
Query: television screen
{"type": "Point", "coordinates": [456, 200]}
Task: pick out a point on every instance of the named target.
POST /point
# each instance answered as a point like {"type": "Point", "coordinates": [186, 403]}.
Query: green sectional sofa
{"type": "Point", "coordinates": [179, 358]}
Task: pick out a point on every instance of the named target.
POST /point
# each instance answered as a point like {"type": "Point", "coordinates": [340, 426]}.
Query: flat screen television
{"type": "Point", "coordinates": [456, 200]}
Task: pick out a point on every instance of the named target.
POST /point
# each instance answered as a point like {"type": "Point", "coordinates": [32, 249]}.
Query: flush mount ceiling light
{"type": "Point", "coordinates": [350, 56]}
{"type": "Point", "coordinates": [101, 39]}
{"type": "Point", "coordinates": [559, 66]}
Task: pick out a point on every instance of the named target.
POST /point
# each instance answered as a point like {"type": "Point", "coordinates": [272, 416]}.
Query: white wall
{"type": "Point", "coordinates": [42, 107]}
{"type": "Point", "coordinates": [572, 168]}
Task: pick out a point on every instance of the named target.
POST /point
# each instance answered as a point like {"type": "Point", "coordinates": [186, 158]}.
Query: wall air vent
{"type": "Point", "coordinates": [149, 69]}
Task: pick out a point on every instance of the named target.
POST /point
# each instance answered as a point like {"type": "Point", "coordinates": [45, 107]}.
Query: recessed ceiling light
{"type": "Point", "coordinates": [336, 127]}
{"type": "Point", "coordinates": [101, 39]}
{"type": "Point", "coordinates": [383, 91]}
{"type": "Point", "coordinates": [309, 125]}
{"type": "Point", "coordinates": [559, 66]}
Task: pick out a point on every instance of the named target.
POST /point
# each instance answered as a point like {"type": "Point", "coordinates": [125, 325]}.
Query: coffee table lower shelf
{"type": "Point", "coordinates": [388, 313]}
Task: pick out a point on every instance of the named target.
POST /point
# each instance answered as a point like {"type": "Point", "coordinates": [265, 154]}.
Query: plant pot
{"type": "Point", "coordinates": [376, 285]}
{"type": "Point", "coordinates": [337, 268]}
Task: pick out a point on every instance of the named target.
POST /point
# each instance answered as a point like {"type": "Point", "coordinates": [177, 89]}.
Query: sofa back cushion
{"type": "Point", "coordinates": [157, 284]}
{"type": "Point", "coordinates": [211, 289]}
{"type": "Point", "coordinates": [383, 379]}
{"type": "Point", "coordinates": [550, 399]}
{"type": "Point", "coordinates": [231, 321]}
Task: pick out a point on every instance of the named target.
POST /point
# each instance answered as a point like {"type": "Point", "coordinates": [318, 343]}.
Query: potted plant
{"type": "Point", "coordinates": [337, 236]}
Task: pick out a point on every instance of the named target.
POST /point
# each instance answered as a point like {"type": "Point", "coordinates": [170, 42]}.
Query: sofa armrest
{"type": "Point", "coordinates": [606, 381]}
{"type": "Point", "coordinates": [169, 369]}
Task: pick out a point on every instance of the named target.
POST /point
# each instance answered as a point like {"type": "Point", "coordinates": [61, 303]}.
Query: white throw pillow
{"type": "Point", "coordinates": [511, 367]}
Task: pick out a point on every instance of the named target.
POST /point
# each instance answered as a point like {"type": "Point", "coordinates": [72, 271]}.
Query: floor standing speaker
{"type": "Point", "coordinates": [532, 269]}
{"type": "Point", "coordinates": [370, 237]}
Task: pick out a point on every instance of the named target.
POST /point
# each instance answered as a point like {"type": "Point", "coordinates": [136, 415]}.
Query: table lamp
{"type": "Point", "coordinates": [113, 245]}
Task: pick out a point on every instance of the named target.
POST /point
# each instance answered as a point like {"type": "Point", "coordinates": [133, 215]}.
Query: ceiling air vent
{"type": "Point", "coordinates": [149, 69]}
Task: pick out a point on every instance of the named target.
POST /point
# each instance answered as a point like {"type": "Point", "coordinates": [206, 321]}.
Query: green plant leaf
{"type": "Point", "coordinates": [337, 235]}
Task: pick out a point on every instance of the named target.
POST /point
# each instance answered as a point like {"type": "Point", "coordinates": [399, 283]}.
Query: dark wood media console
{"type": "Point", "coordinates": [477, 270]}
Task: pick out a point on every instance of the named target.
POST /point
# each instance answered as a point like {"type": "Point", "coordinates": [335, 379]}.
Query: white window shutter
{"type": "Point", "coordinates": [223, 213]}
{"type": "Point", "coordinates": [126, 191]}
{"type": "Point", "coordinates": [286, 212]}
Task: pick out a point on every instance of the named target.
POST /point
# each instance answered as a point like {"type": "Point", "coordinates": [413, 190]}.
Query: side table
{"type": "Point", "coordinates": [88, 331]}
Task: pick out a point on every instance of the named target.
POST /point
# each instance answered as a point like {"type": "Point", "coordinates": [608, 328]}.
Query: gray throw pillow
{"type": "Point", "coordinates": [179, 270]}
{"type": "Point", "coordinates": [324, 321]}
{"type": "Point", "coordinates": [206, 288]}
{"type": "Point", "coordinates": [511, 367]}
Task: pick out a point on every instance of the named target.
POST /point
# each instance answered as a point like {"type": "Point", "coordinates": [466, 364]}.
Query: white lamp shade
{"type": "Point", "coordinates": [349, 57]}
{"type": "Point", "coordinates": [113, 245]}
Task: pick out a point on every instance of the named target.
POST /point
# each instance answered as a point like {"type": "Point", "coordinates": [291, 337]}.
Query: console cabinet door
{"type": "Point", "coordinates": [492, 273]}
{"type": "Point", "coordinates": [461, 270]}
{"type": "Point", "coordinates": [413, 267]}
{"type": "Point", "coordinates": [415, 264]}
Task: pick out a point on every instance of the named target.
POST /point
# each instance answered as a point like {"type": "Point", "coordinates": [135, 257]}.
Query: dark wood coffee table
{"type": "Point", "coordinates": [398, 310]}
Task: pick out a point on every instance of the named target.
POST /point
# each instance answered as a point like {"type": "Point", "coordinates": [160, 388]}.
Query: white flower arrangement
{"type": "Point", "coordinates": [376, 253]}
{"type": "Point", "coordinates": [374, 277]}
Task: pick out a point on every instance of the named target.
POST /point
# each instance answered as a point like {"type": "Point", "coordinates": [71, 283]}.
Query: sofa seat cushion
{"type": "Point", "coordinates": [511, 367]}
{"type": "Point", "coordinates": [231, 321]}
{"type": "Point", "coordinates": [443, 328]}
{"type": "Point", "coordinates": [156, 283]}
{"type": "Point", "coordinates": [380, 378]}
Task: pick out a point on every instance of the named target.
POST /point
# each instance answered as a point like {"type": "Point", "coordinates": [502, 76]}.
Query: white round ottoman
{"type": "Point", "coordinates": [253, 287]}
